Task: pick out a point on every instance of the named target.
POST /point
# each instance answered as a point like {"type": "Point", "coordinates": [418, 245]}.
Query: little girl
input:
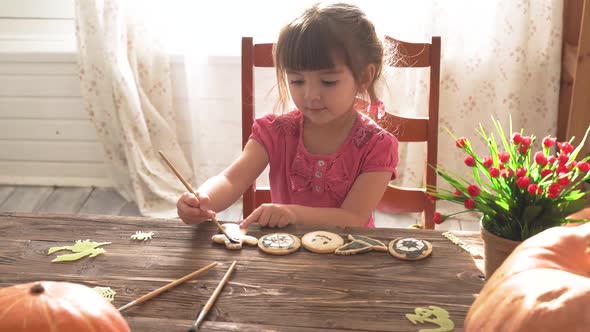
{"type": "Point", "coordinates": [329, 163]}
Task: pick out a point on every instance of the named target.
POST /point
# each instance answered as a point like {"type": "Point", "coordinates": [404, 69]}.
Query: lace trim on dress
{"type": "Point", "coordinates": [287, 124]}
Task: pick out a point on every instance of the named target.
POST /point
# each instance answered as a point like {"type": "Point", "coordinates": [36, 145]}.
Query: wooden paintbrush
{"type": "Point", "coordinates": [212, 299]}
{"type": "Point", "coordinates": [166, 287]}
{"type": "Point", "coordinates": [190, 189]}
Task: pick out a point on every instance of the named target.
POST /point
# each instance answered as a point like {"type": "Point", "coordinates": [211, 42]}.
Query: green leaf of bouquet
{"type": "Point", "coordinates": [580, 146]}
{"type": "Point", "coordinates": [572, 206]}
{"type": "Point", "coordinates": [574, 221]}
{"type": "Point", "coordinates": [531, 213]}
{"type": "Point", "coordinates": [500, 131]}
{"type": "Point", "coordinates": [575, 195]}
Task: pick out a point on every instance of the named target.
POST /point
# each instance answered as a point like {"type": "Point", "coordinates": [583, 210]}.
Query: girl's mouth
{"type": "Point", "coordinates": [316, 110]}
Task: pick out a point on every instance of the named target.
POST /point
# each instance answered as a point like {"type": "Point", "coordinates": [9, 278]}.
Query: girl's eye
{"type": "Point", "coordinates": [329, 83]}
{"type": "Point", "coordinates": [296, 82]}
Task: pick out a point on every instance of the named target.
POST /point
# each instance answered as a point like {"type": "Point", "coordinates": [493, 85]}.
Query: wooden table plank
{"type": "Point", "coordinates": [303, 291]}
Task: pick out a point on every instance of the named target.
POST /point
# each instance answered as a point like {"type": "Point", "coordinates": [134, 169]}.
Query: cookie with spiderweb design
{"type": "Point", "coordinates": [279, 243]}
{"type": "Point", "coordinates": [408, 248]}
{"type": "Point", "coordinates": [322, 242]}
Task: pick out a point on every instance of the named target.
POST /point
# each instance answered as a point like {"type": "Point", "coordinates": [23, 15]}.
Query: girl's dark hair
{"type": "Point", "coordinates": [310, 41]}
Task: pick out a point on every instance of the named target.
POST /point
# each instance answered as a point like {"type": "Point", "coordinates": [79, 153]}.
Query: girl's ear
{"type": "Point", "coordinates": [367, 77]}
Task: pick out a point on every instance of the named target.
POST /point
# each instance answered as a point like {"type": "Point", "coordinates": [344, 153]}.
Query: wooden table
{"type": "Point", "coordinates": [303, 291]}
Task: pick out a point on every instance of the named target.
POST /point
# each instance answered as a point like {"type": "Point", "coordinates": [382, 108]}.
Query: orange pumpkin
{"type": "Point", "coordinates": [57, 306]}
{"type": "Point", "coordinates": [544, 285]}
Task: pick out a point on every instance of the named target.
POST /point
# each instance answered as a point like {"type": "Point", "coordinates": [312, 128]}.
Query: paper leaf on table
{"type": "Point", "coordinates": [472, 251]}
{"type": "Point", "coordinates": [106, 292]}
{"type": "Point", "coordinates": [142, 236]}
{"type": "Point", "coordinates": [79, 246]}
{"type": "Point", "coordinates": [432, 314]}
{"type": "Point", "coordinates": [80, 249]}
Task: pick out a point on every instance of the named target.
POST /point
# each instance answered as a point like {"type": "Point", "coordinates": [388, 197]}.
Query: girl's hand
{"type": "Point", "coordinates": [270, 215]}
{"type": "Point", "coordinates": [194, 209]}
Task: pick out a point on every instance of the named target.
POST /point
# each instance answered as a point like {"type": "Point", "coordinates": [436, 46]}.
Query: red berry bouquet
{"type": "Point", "coordinates": [519, 191]}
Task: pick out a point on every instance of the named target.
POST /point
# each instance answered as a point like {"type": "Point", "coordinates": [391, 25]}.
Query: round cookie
{"type": "Point", "coordinates": [279, 243]}
{"type": "Point", "coordinates": [322, 242]}
{"type": "Point", "coordinates": [408, 248]}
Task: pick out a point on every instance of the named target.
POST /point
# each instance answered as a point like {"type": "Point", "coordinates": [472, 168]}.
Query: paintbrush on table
{"type": "Point", "coordinates": [190, 189]}
{"type": "Point", "coordinates": [212, 299]}
{"type": "Point", "coordinates": [166, 287]}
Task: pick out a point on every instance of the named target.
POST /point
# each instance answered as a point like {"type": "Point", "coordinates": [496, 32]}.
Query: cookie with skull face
{"type": "Point", "coordinates": [322, 242]}
{"type": "Point", "coordinates": [410, 248]}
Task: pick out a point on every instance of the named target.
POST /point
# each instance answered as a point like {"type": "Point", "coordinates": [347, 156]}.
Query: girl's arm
{"type": "Point", "coordinates": [225, 188]}
{"type": "Point", "coordinates": [360, 202]}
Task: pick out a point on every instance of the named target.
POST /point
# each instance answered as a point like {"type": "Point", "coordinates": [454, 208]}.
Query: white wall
{"type": "Point", "coordinates": [32, 25]}
{"type": "Point", "coordinates": [46, 137]}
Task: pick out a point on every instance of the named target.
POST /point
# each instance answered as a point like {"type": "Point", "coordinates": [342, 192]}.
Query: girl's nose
{"type": "Point", "coordinates": [312, 93]}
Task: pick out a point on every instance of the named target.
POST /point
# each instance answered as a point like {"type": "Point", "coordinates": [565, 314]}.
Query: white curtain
{"type": "Point", "coordinates": [125, 77]}
{"type": "Point", "coordinates": [499, 58]}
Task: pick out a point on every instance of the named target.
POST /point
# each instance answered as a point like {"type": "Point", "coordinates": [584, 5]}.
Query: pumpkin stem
{"type": "Point", "coordinates": [37, 289]}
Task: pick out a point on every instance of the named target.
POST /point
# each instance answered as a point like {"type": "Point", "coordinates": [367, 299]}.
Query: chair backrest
{"type": "Point", "coordinates": [420, 129]}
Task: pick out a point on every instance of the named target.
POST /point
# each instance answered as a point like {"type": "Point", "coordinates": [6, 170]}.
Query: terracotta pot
{"type": "Point", "coordinates": [496, 250]}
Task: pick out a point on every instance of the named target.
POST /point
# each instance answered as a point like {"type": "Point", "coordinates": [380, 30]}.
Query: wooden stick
{"type": "Point", "coordinates": [166, 287]}
{"type": "Point", "coordinates": [190, 189]}
{"type": "Point", "coordinates": [212, 299]}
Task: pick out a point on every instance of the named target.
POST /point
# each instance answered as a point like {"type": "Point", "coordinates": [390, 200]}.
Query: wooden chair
{"type": "Point", "coordinates": [421, 129]}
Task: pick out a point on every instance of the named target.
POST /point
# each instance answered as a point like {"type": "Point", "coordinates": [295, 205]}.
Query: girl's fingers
{"type": "Point", "coordinates": [204, 201]}
{"type": "Point", "coordinates": [264, 219]}
{"type": "Point", "coordinates": [283, 221]}
{"type": "Point", "coordinates": [253, 217]}
{"type": "Point", "coordinates": [190, 200]}
{"type": "Point", "coordinates": [189, 214]}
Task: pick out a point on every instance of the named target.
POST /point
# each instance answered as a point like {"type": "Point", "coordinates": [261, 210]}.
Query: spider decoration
{"type": "Point", "coordinates": [142, 236]}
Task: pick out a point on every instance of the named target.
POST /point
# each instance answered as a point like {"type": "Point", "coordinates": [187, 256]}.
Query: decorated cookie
{"type": "Point", "coordinates": [279, 243]}
{"type": "Point", "coordinates": [322, 242]}
{"type": "Point", "coordinates": [375, 244]}
{"type": "Point", "coordinates": [234, 231]}
{"type": "Point", "coordinates": [354, 247]}
{"type": "Point", "coordinates": [410, 248]}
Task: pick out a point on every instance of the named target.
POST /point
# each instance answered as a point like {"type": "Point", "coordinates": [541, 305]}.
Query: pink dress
{"type": "Point", "coordinates": [315, 180]}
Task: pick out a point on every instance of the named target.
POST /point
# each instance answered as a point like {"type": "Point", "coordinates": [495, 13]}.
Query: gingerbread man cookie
{"type": "Point", "coordinates": [234, 231]}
